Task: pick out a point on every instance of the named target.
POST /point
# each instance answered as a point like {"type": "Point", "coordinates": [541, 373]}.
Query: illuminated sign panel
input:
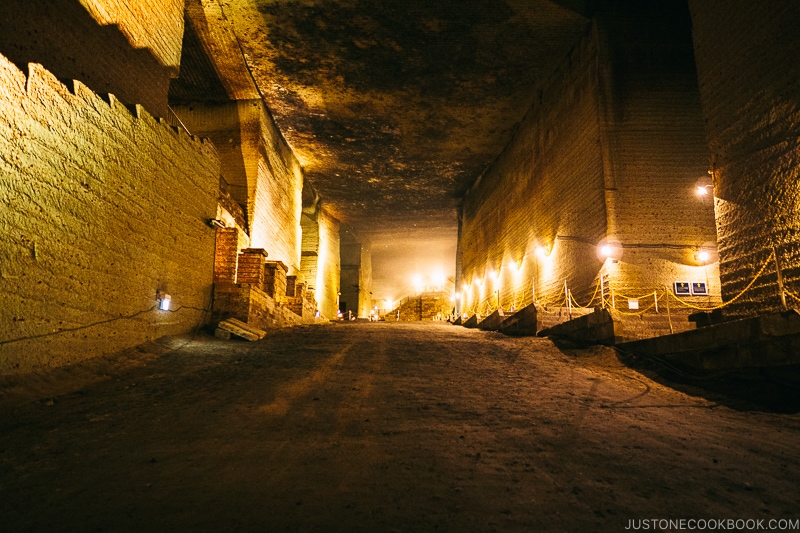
{"type": "Point", "coordinates": [682, 288]}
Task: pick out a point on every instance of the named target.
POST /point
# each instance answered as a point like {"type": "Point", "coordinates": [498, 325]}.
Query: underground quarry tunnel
{"type": "Point", "coordinates": [362, 265]}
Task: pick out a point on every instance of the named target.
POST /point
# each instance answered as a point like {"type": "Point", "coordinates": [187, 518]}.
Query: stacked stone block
{"type": "Point", "coordinates": [291, 282]}
{"type": "Point", "coordinates": [226, 255]}
{"type": "Point", "coordinates": [429, 306]}
{"type": "Point", "coordinates": [251, 267]}
{"type": "Point", "coordinates": [275, 279]}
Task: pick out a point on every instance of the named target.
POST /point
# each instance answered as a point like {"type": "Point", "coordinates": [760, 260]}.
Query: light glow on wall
{"type": "Point", "coordinates": [541, 252]}
{"type": "Point", "coordinates": [322, 258]}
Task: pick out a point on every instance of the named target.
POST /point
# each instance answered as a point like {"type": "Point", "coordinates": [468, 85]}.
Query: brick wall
{"type": "Point", "coordinates": [749, 80]}
{"type": "Point", "coordinates": [254, 306]}
{"type": "Point", "coordinates": [226, 253]}
{"type": "Point", "coordinates": [100, 209]}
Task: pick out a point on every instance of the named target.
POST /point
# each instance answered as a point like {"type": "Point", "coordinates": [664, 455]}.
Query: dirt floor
{"type": "Point", "coordinates": [386, 427]}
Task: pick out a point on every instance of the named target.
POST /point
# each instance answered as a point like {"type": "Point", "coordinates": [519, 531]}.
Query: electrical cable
{"type": "Point", "coordinates": [100, 323]}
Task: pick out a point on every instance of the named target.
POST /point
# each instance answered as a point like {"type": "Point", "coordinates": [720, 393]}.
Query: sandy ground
{"type": "Point", "coordinates": [384, 427]}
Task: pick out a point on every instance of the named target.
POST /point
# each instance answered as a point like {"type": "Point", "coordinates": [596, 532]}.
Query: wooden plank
{"type": "Point", "coordinates": [241, 329]}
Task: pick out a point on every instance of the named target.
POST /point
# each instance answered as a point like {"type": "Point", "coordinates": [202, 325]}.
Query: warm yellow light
{"type": "Point", "coordinates": [417, 282]}
{"type": "Point", "coordinates": [438, 279]}
{"type": "Point", "coordinates": [701, 190]}
{"type": "Point", "coordinates": [703, 256]}
{"type": "Point", "coordinates": [541, 252]}
{"type": "Point", "coordinates": [457, 296]}
{"type": "Point", "coordinates": [606, 250]}
{"type": "Point", "coordinates": [493, 274]}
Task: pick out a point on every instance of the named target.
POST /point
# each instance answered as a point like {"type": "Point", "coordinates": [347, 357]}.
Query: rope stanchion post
{"type": "Point", "coordinates": [568, 295]}
{"type": "Point", "coordinates": [602, 291]}
{"type": "Point", "coordinates": [781, 288]}
{"type": "Point", "coordinates": [669, 317]}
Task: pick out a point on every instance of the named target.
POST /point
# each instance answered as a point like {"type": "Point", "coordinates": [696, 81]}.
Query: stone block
{"type": "Point", "coordinates": [526, 321]}
{"type": "Point", "coordinates": [226, 255]}
{"type": "Point", "coordinates": [769, 340]}
{"type": "Point", "coordinates": [291, 282]}
{"type": "Point", "coordinates": [592, 328]}
{"type": "Point", "coordinates": [471, 322]}
{"type": "Point", "coordinates": [493, 321]}
{"type": "Point", "coordinates": [275, 279]}
{"type": "Point", "coordinates": [251, 267]}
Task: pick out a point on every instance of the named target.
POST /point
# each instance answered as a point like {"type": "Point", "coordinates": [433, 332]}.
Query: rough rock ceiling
{"type": "Point", "coordinates": [395, 107]}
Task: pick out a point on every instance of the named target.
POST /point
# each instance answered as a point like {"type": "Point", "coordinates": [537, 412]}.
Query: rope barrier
{"type": "Point", "coordinates": [642, 297]}
{"type": "Point", "coordinates": [665, 294]}
{"type": "Point", "coordinates": [596, 290]}
{"type": "Point", "coordinates": [725, 304]}
{"type": "Point", "coordinates": [639, 313]}
{"type": "Point", "coordinates": [790, 293]}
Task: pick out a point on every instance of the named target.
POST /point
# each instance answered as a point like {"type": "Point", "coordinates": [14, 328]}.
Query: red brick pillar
{"type": "Point", "coordinates": [275, 280]}
{"type": "Point", "coordinates": [290, 286]}
{"type": "Point", "coordinates": [251, 267]}
{"type": "Point", "coordinates": [225, 255]}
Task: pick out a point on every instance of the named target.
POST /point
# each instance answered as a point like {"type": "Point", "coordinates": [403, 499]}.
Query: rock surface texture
{"type": "Point", "coordinates": [384, 427]}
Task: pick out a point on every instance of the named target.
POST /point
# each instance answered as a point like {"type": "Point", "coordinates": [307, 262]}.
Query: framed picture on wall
{"type": "Point", "coordinates": [699, 288]}
{"type": "Point", "coordinates": [682, 288]}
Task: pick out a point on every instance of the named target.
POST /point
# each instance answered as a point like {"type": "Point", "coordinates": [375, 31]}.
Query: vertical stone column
{"type": "Point", "coordinates": [291, 281]}
{"type": "Point", "coordinates": [226, 255]}
{"type": "Point", "coordinates": [275, 280]}
{"type": "Point", "coordinates": [251, 267]}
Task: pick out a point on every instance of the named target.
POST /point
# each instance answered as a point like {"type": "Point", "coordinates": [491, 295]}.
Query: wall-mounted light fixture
{"type": "Point", "coordinates": [609, 249]}
{"type": "Point", "coordinates": [704, 187]}
{"type": "Point", "coordinates": [706, 254]}
{"type": "Point", "coordinates": [164, 300]}
{"type": "Point", "coordinates": [216, 223]}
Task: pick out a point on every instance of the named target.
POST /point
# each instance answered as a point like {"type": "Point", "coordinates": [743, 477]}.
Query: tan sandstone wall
{"type": "Point", "coordinates": [153, 24]}
{"type": "Point", "coordinates": [328, 267]}
{"type": "Point", "coordinates": [749, 78]}
{"type": "Point", "coordinates": [128, 48]}
{"type": "Point", "coordinates": [262, 173]}
{"type": "Point", "coordinates": [545, 190]}
{"type": "Point", "coordinates": [100, 207]}
{"type": "Point", "coordinates": [612, 149]}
